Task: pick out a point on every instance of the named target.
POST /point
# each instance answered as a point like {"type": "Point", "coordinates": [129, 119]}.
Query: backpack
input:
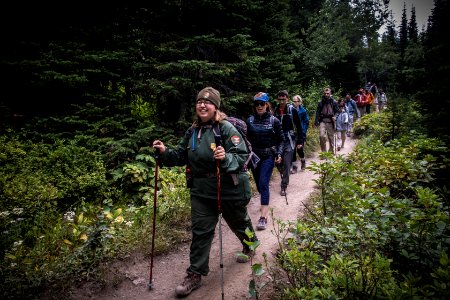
{"type": "Point", "coordinates": [241, 127]}
{"type": "Point", "coordinates": [290, 108]}
{"type": "Point", "coordinates": [358, 100]}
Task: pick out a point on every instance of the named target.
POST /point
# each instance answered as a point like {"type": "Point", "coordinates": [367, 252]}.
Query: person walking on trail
{"type": "Point", "coordinates": [361, 102]}
{"type": "Point", "coordinates": [199, 151]}
{"type": "Point", "coordinates": [370, 98]}
{"type": "Point", "coordinates": [382, 101]}
{"type": "Point", "coordinates": [293, 136]}
{"type": "Point", "coordinates": [352, 110]}
{"type": "Point", "coordinates": [304, 121]}
{"type": "Point", "coordinates": [326, 111]}
{"type": "Point", "coordinates": [266, 136]}
{"type": "Point", "coordinates": [374, 90]}
{"type": "Point", "coordinates": [342, 125]}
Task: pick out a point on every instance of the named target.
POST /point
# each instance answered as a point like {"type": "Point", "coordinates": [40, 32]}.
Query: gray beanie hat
{"type": "Point", "coordinates": [211, 94]}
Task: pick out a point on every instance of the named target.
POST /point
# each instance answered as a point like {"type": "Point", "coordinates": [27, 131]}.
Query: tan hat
{"type": "Point", "coordinates": [211, 94]}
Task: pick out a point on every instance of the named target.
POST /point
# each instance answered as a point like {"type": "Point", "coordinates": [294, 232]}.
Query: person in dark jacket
{"type": "Point", "coordinates": [266, 136]}
{"type": "Point", "coordinates": [200, 150]}
{"type": "Point", "coordinates": [304, 120]}
{"type": "Point", "coordinates": [352, 110]}
{"type": "Point", "coordinates": [326, 112]}
{"type": "Point", "coordinates": [293, 135]}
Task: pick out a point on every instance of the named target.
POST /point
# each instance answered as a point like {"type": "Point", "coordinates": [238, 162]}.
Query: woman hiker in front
{"type": "Point", "coordinates": [199, 151]}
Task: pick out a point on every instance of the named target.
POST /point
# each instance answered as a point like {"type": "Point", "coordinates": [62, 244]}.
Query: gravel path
{"type": "Point", "coordinates": [169, 270]}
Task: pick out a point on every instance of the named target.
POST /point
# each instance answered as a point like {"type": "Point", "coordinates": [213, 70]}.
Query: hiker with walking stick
{"type": "Point", "coordinates": [218, 186]}
{"type": "Point", "coordinates": [293, 135]}
{"type": "Point", "coordinates": [326, 111]}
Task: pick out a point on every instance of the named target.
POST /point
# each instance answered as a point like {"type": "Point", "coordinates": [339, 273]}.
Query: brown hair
{"type": "Point", "coordinates": [219, 116]}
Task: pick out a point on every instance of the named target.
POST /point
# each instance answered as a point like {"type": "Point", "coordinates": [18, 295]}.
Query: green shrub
{"type": "Point", "coordinates": [377, 229]}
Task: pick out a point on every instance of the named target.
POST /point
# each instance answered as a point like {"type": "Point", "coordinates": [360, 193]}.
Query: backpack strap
{"type": "Point", "coordinates": [218, 138]}
{"type": "Point", "coordinates": [192, 131]}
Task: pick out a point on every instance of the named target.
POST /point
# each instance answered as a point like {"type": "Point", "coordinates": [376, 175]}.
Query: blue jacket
{"type": "Point", "coordinates": [351, 107]}
{"type": "Point", "coordinates": [304, 120]}
{"type": "Point", "coordinates": [342, 121]}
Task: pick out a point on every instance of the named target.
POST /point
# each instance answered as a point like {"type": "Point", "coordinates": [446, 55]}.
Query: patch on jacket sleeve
{"type": "Point", "coordinates": [235, 140]}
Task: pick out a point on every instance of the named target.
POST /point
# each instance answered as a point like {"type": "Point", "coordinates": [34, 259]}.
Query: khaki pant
{"type": "Point", "coordinates": [326, 131]}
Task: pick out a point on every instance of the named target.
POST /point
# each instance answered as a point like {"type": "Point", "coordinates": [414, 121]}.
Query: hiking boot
{"type": "Point", "coordinates": [191, 282]}
{"type": "Point", "coordinates": [338, 148]}
{"type": "Point", "coordinates": [303, 166]}
{"type": "Point", "coordinates": [245, 256]}
{"type": "Point", "coordinates": [262, 223]}
{"type": "Point", "coordinates": [283, 192]}
{"type": "Point", "coordinates": [294, 169]}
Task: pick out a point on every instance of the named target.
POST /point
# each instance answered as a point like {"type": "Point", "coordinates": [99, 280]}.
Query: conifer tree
{"type": "Point", "coordinates": [390, 35]}
{"type": "Point", "coordinates": [413, 33]}
{"type": "Point", "coordinates": [403, 32]}
{"type": "Point", "coordinates": [434, 96]}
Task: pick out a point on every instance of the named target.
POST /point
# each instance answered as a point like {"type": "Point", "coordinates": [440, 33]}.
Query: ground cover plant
{"type": "Point", "coordinates": [378, 228]}
{"type": "Point", "coordinates": [76, 196]}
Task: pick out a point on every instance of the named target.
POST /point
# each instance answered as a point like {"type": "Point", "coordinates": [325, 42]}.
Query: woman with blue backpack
{"type": "Point", "coordinates": [266, 136]}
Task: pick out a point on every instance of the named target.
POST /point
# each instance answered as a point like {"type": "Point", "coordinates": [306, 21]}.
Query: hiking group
{"type": "Point", "coordinates": [216, 150]}
{"type": "Point", "coordinates": [335, 118]}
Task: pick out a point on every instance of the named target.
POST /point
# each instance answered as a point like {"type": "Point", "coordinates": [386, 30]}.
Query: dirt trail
{"type": "Point", "coordinates": [169, 270]}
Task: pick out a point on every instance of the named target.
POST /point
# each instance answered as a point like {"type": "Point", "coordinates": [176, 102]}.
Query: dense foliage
{"type": "Point", "coordinates": [84, 92]}
{"type": "Point", "coordinates": [380, 226]}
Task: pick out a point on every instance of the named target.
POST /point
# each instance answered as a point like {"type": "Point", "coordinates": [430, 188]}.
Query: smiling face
{"type": "Point", "coordinates": [260, 107]}
{"type": "Point", "coordinates": [205, 110]}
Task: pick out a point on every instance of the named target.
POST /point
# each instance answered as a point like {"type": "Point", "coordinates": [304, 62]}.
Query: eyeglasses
{"type": "Point", "coordinates": [295, 100]}
{"type": "Point", "coordinates": [202, 101]}
{"type": "Point", "coordinates": [282, 99]}
{"type": "Point", "coordinates": [259, 103]}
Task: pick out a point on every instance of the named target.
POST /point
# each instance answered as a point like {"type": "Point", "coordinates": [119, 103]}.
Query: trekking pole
{"type": "Point", "coordinates": [217, 140]}
{"type": "Point", "coordinates": [150, 282]}
{"type": "Point", "coordinates": [335, 142]}
{"type": "Point", "coordinates": [281, 175]}
{"type": "Point", "coordinates": [334, 136]}
{"type": "Point", "coordinates": [220, 226]}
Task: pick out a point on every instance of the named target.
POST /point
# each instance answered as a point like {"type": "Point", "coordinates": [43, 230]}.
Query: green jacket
{"type": "Point", "coordinates": [195, 149]}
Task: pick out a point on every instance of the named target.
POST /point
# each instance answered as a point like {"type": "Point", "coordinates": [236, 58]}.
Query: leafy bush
{"type": "Point", "coordinates": [39, 176]}
{"type": "Point", "coordinates": [378, 230]}
{"type": "Point", "coordinates": [71, 246]}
